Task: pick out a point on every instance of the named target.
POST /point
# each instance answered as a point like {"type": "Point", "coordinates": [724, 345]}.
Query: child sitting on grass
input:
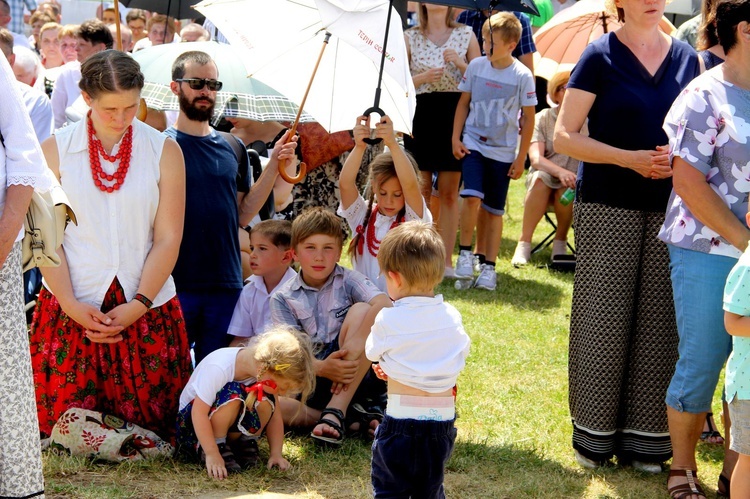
{"type": "Point", "coordinates": [421, 348]}
{"type": "Point", "coordinates": [270, 260]}
{"type": "Point", "coordinates": [336, 307]}
{"type": "Point", "coordinates": [393, 190]}
{"type": "Point", "coordinates": [230, 399]}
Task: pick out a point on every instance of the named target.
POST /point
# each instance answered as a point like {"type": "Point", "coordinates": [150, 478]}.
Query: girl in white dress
{"type": "Point", "coordinates": [394, 196]}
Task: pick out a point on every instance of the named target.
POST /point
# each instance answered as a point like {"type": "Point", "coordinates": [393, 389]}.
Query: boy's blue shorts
{"type": "Point", "coordinates": [486, 179]}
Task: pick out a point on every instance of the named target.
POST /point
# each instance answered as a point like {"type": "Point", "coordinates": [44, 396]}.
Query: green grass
{"type": "Point", "coordinates": [514, 437]}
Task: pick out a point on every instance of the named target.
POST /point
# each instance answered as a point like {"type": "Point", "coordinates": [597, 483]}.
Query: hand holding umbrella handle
{"type": "Point", "coordinates": [302, 166]}
{"type": "Point", "coordinates": [368, 112]}
{"type": "Point", "coordinates": [296, 179]}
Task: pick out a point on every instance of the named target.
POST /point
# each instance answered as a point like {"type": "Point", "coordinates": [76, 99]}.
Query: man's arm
{"type": "Point", "coordinates": [251, 202]}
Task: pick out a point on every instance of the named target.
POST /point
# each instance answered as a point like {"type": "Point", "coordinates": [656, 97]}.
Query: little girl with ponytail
{"type": "Point", "coordinates": [231, 398]}
{"type": "Point", "coordinates": [394, 196]}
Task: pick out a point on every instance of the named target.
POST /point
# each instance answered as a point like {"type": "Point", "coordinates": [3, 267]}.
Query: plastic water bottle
{"type": "Point", "coordinates": [568, 196]}
{"type": "Point", "coordinates": [463, 284]}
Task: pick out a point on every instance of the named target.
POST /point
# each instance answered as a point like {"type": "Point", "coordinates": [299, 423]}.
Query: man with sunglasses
{"type": "Point", "coordinates": [208, 273]}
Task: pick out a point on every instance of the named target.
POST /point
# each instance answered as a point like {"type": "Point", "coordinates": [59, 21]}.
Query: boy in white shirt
{"type": "Point", "coordinates": [270, 260]}
{"type": "Point", "coordinates": [421, 347]}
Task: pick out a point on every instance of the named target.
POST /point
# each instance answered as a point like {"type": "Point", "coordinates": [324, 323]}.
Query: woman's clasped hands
{"type": "Point", "coordinates": [101, 327]}
{"type": "Point", "coordinates": [652, 164]}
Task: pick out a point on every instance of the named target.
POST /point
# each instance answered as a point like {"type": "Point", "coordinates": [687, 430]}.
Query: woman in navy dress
{"type": "Point", "coordinates": [623, 336]}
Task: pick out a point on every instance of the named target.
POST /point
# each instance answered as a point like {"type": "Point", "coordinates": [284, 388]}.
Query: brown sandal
{"type": "Point", "coordinates": [686, 489]}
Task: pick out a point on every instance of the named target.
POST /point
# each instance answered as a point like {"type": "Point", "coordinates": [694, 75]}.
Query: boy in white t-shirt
{"type": "Point", "coordinates": [421, 347]}
{"type": "Point", "coordinates": [270, 260]}
{"type": "Point", "coordinates": [495, 88]}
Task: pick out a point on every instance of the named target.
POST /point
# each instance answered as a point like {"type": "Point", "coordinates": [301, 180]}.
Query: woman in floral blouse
{"type": "Point", "coordinates": [706, 233]}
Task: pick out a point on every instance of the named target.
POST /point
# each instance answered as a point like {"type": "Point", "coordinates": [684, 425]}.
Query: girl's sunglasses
{"type": "Point", "coordinates": [199, 83]}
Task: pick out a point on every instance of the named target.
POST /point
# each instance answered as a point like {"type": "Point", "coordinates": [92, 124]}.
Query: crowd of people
{"type": "Point", "coordinates": [200, 295]}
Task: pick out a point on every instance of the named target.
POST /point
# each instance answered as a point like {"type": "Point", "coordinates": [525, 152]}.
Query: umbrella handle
{"type": "Point", "coordinates": [296, 179]}
{"type": "Point", "coordinates": [368, 112]}
{"type": "Point", "coordinates": [142, 110]}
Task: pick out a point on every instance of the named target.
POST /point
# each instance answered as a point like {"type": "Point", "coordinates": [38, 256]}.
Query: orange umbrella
{"type": "Point", "coordinates": [560, 42]}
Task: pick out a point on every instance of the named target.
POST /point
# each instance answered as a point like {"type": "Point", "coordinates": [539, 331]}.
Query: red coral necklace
{"type": "Point", "coordinates": [372, 242]}
{"type": "Point", "coordinates": [124, 154]}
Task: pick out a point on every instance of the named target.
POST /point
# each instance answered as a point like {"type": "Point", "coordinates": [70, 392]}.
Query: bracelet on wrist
{"type": "Point", "coordinates": [142, 298]}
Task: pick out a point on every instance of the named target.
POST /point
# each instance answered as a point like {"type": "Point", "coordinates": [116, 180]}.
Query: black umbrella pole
{"type": "Point", "coordinates": [376, 106]}
{"type": "Point", "coordinates": [382, 55]}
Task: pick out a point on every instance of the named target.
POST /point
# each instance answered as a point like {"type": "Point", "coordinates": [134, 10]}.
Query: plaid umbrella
{"type": "Point", "coordinates": [241, 97]}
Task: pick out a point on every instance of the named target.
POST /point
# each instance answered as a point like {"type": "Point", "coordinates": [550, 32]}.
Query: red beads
{"type": "Point", "coordinates": [372, 242]}
{"type": "Point", "coordinates": [124, 154]}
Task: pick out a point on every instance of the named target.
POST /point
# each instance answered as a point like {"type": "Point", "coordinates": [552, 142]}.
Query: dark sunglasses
{"type": "Point", "coordinates": [199, 83]}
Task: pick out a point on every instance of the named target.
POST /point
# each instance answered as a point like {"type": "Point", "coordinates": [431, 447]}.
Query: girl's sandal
{"type": "Point", "coordinates": [686, 489]}
{"type": "Point", "coordinates": [338, 440]}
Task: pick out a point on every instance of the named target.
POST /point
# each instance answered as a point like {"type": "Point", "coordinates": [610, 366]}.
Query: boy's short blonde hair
{"type": "Point", "coordinates": [314, 221]}
{"type": "Point", "coordinates": [416, 251]}
{"type": "Point", "coordinates": [504, 23]}
{"type": "Point", "coordinates": [278, 232]}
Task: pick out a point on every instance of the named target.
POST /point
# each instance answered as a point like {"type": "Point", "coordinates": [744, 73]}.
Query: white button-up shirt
{"type": "Point", "coordinates": [115, 230]}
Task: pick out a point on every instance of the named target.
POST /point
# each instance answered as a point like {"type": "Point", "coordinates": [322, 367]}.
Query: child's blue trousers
{"type": "Point", "coordinates": [409, 456]}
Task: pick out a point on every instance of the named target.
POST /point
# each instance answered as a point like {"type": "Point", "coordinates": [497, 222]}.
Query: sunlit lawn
{"type": "Point", "coordinates": [514, 425]}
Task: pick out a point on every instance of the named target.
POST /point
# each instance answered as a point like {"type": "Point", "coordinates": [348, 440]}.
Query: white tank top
{"type": "Point", "coordinates": [115, 230]}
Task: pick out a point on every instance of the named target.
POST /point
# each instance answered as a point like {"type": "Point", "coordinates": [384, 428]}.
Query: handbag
{"type": "Point", "coordinates": [48, 214]}
{"type": "Point", "coordinates": [92, 434]}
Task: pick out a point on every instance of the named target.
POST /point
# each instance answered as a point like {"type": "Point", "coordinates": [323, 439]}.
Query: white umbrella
{"type": "Point", "coordinates": [280, 42]}
{"type": "Point", "coordinates": [240, 97]}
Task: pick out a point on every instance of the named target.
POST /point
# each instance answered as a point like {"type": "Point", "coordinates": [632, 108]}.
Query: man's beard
{"type": "Point", "coordinates": [194, 113]}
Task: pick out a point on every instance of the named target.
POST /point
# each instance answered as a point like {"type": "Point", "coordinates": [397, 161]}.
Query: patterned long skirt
{"type": "Point", "coordinates": [623, 335]}
{"type": "Point", "coordinates": [138, 379]}
{"type": "Point", "coordinates": [20, 451]}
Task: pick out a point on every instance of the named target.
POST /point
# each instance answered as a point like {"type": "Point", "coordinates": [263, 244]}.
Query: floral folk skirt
{"type": "Point", "coordinates": [138, 379]}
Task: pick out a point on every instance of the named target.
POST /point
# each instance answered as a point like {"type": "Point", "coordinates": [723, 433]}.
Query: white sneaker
{"type": "Point", "coordinates": [647, 467]}
{"type": "Point", "coordinates": [477, 265]}
{"type": "Point", "coordinates": [522, 255]}
{"type": "Point", "coordinates": [586, 462]}
{"type": "Point", "coordinates": [559, 247]}
{"type": "Point", "coordinates": [465, 264]}
{"type": "Point", "coordinates": [449, 273]}
{"type": "Point", "coordinates": [487, 278]}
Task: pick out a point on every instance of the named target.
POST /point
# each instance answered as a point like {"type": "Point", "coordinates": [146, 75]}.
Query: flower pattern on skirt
{"type": "Point", "coordinates": [138, 379]}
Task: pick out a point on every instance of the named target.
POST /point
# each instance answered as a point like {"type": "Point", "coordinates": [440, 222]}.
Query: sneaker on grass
{"type": "Point", "coordinates": [487, 278]}
{"type": "Point", "coordinates": [465, 264]}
